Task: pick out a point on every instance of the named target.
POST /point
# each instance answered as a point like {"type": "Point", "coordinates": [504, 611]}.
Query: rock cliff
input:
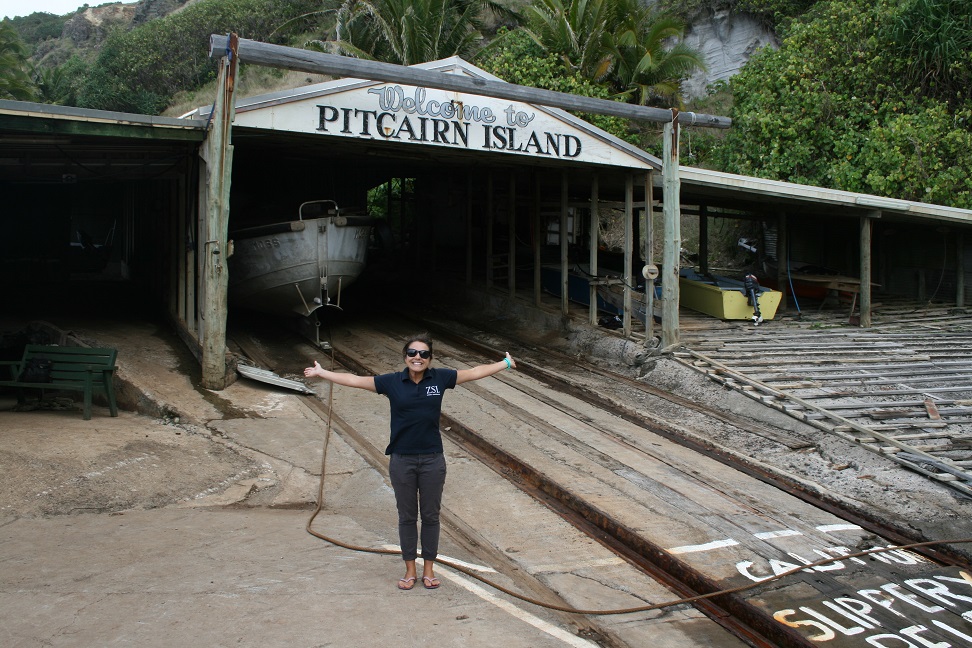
{"type": "Point", "coordinates": [726, 42]}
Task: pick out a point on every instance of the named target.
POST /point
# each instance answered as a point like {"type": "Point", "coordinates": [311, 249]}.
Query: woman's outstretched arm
{"type": "Point", "coordinates": [346, 379]}
{"type": "Point", "coordinates": [483, 371]}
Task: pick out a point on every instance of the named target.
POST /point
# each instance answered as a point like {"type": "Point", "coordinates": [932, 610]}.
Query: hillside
{"type": "Point", "coordinates": [725, 38]}
{"type": "Point", "coordinates": [867, 96]}
{"type": "Point", "coordinates": [55, 39]}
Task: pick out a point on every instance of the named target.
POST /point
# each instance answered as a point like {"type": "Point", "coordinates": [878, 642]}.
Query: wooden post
{"type": "Point", "coordinates": [564, 276]}
{"type": "Point", "coordinates": [511, 260]}
{"type": "Point", "coordinates": [594, 228]}
{"type": "Point", "coordinates": [867, 226]}
{"type": "Point", "coordinates": [673, 232]}
{"type": "Point", "coordinates": [218, 152]}
{"type": "Point", "coordinates": [783, 259]}
{"type": "Point", "coordinates": [469, 230]}
{"type": "Point", "coordinates": [703, 239]}
{"type": "Point", "coordinates": [648, 232]}
{"type": "Point", "coordinates": [628, 245]}
{"type": "Point", "coordinates": [539, 232]}
{"type": "Point", "coordinates": [959, 270]}
{"type": "Point", "coordinates": [489, 231]}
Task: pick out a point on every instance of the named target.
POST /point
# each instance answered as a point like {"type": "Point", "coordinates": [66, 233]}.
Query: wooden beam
{"type": "Point", "coordinates": [703, 239]}
{"type": "Point", "coordinates": [564, 274]}
{"type": "Point", "coordinates": [628, 245]}
{"type": "Point", "coordinates": [673, 234]}
{"type": "Point", "coordinates": [539, 236]}
{"type": "Point", "coordinates": [648, 253]}
{"type": "Point", "coordinates": [214, 248]}
{"type": "Point", "coordinates": [783, 259]}
{"type": "Point", "coordinates": [292, 58]}
{"type": "Point", "coordinates": [867, 227]}
{"type": "Point", "coordinates": [511, 234]}
{"type": "Point", "coordinates": [960, 270]}
{"type": "Point", "coordinates": [490, 222]}
{"type": "Point", "coordinates": [594, 228]}
{"type": "Point", "coordinates": [469, 229]}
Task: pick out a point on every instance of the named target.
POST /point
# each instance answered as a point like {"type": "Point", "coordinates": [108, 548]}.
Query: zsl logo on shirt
{"type": "Point", "coordinates": [432, 390]}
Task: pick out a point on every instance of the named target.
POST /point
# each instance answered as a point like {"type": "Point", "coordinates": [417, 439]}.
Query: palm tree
{"type": "Point", "coordinates": [577, 32]}
{"type": "Point", "coordinates": [15, 81]}
{"type": "Point", "coordinates": [412, 31]}
{"type": "Point", "coordinates": [649, 59]}
{"type": "Point", "coordinates": [632, 48]}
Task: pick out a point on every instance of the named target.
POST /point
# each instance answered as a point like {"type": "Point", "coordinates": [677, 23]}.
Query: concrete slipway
{"type": "Point", "coordinates": [131, 531]}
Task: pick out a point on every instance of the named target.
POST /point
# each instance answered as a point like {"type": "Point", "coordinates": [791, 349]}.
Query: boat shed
{"type": "Point", "coordinates": [471, 188]}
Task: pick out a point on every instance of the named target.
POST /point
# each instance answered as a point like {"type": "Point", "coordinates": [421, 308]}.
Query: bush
{"type": "Point", "coordinates": [834, 107]}
{"type": "Point", "coordinates": [141, 70]}
{"type": "Point", "coordinates": [515, 58]}
{"type": "Point", "coordinates": [39, 26]}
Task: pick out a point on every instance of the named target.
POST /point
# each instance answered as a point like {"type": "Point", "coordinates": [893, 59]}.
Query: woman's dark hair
{"type": "Point", "coordinates": [420, 337]}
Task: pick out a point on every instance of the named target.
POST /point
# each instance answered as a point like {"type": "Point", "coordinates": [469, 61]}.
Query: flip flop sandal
{"type": "Point", "coordinates": [406, 583]}
{"type": "Point", "coordinates": [430, 582]}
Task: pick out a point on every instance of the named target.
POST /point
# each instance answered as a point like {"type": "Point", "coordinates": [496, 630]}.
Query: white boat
{"type": "Point", "coordinates": [298, 266]}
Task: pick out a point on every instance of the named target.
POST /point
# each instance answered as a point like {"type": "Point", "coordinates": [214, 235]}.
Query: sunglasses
{"type": "Point", "coordinates": [424, 353]}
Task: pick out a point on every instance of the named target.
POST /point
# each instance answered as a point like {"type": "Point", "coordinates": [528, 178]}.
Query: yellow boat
{"type": "Point", "coordinates": [723, 297]}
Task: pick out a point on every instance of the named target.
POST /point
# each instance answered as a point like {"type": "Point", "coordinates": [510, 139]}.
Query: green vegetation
{"type": "Point", "coordinates": [631, 49]}
{"type": "Point", "coordinates": [843, 103]}
{"type": "Point", "coordinates": [515, 58]}
{"type": "Point", "coordinates": [862, 95]}
{"type": "Point", "coordinates": [15, 81]}
{"type": "Point", "coordinates": [769, 12]}
{"type": "Point", "coordinates": [142, 69]}
{"type": "Point", "coordinates": [39, 26]}
{"type": "Point", "coordinates": [407, 32]}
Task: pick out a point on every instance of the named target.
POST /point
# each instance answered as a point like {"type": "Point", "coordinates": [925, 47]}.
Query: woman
{"type": "Point", "coordinates": [417, 466]}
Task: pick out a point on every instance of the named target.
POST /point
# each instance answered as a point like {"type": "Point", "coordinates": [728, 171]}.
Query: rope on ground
{"type": "Point", "coordinates": [572, 610]}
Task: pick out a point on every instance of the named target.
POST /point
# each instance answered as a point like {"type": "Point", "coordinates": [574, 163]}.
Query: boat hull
{"type": "Point", "coordinates": [723, 298]}
{"type": "Point", "coordinates": [296, 267]}
{"type": "Point", "coordinates": [613, 293]}
{"type": "Point", "coordinates": [578, 286]}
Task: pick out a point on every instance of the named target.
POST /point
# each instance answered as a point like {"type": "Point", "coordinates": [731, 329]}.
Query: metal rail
{"type": "Point", "coordinates": [898, 533]}
{"type": "Point", "coordinates": [731, 611]}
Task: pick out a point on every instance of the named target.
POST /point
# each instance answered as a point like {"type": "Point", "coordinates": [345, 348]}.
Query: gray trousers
{"type": "Point", "coordinates": [418, 481]}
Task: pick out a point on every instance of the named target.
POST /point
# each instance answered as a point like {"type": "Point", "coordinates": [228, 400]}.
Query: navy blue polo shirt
{"type": "Point", "coordinates": [415, 409]}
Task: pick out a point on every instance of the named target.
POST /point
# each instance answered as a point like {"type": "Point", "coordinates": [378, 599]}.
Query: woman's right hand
{"type": "Point", "coordinates": [313, 371]}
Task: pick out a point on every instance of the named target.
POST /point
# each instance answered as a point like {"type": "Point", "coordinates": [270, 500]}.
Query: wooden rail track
{"type": "Point", "coordinates": [902, 389]}
{"type": "Point", "coordinates": [692, 523]}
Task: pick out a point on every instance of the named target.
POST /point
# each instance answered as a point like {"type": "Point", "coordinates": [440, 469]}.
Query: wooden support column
{"type": "Point", "coordinates": [490, 219]}
{"type": "Point", "coordinates": [181, 247]}
{"type": "Point", "coordinates": [628, 254]}
{"type": "Point", "coordinates": [960, 270]}
{"type": "Point", "coordinates": [469, 230]}
{"type": "Point", "coordinates": [703, 239]}
{"type": "Point", "coordinates": [539, 232]}
{"type": "Point", "coordinates": [218, 152]}
{"type": "Point", "coordinates": [783, 259]}
{"type": "Point", "coordinates": [511, 261]}
{"type": "Point", "coordinates": [564, 275]}
{"type": "Point", "coordinates": [648, 254]}
{"type": "Point", "coordinates": [673, 232]}
{"type": "Point", "coordinates": [867, 227]}
{"type": "Point", "coordinates": [594, 227]}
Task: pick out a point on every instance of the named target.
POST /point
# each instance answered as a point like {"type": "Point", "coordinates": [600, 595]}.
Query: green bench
{"type": "Point", "coordinates": [82, 369]}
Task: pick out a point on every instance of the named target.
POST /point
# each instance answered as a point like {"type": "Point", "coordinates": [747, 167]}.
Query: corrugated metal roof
{"type": "Point", "coordinates": [69, 113]}
{"type": "Point", "coordinates": [818, 195]}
